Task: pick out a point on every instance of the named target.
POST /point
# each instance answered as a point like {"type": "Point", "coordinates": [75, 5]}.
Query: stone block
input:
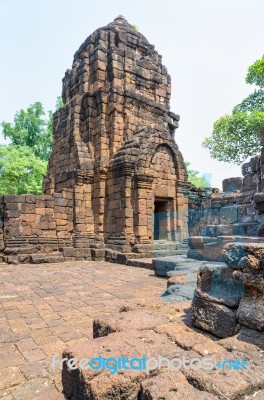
{"type": "Point", "coordinates": [250, 313]}
{"type": "Point", "coordinates": [97, 254]}
{"type": "Point", "coordinates": [224, 230]}
{"type": "Point", "coordinates": [83, 253]}
{"type": "Point", "coordinates": [61, 202]}
{"type": "Point", "coordinates": [196, 254]}
{"type": "Point", "coordinates": [30, 199]}
{"type": "Point", "coordinates": [68, 251]}
{"type": "Point", "coordinates": [244, 197]}
{"type": "Point", "coordinates": [247, 257]}
{"type": "Point", "coordinates": [209, 230]}
{"type": "Point", "coordinates": [196, 242]}
{"type": "Point", "coordinates": [252, 228]}
{"type": "Point", "coordinates": [174, 387]}
{"type": "Point", "coordinates": [259, 202]}
{"type": "Point", "coordinates": [9, 199]}
{"type": "Point", "coordinates": [213, 251]}
{"type": "Point", "coordinates": [215, 282]}
{"type": "Point", "coordinates": [229, 384]}
{"type": "Point", "coordinates": [100, 384]}
{"type": "Point", "coordinates": [247, 169]}
{"type": "Point", "coordinates": [254, 283]}
{"type": "Point", "coordinates": [229, 213]}
{"type": "Point", "coordinates": [46, 258]}
{"type": "Point", "coordinates": [213, 317]}
{"type": "Point", "coordinates": [232, 184]}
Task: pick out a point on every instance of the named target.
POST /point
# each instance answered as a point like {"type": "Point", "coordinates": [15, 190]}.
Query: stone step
{"type": "Point", "coordinates": [186, 291]}
{"type": "Point", "coordinates": [184, 246]}
{"type": "Point", "coordinates": [169, 253]}
{"type": "Point", "coordinates": [141, 262]}
{"type": "Point", "coordinates": [19, 250]}
{"type": "Point", "coordinates": [166, 245]}
{"type": "Point", "coordinates": [40, 258]}
{"type": "Point", "coordinates": [164, 265]}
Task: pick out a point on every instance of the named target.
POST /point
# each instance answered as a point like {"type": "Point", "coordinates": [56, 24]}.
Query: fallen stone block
{"type": "Point", "coordinates": [229, 383]}
{"type": "Point", "coordinates": [251, 336]}
{"type": "Point", "coordinates": [247, 257]}
{"type": "Point", "coordinates": [183, 336]}
{"type": "Point", "coordinates": [251, 313]}
{"type": "Point", "coordinates": [83, 384]}
{"type": "Point", "coordinates": [213, 251]}
{"type": "Point", "coordinates": [215, 282]}
{"type": "Point", "coordinates": [213, 317]}
{"type": "Point", "coordinates": [254, 283]}
{"type": "Point", "coordinates": [171, 385]}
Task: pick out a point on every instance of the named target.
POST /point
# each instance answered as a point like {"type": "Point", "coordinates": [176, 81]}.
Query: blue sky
{"type": "Point", "coordinates": [206, 45]}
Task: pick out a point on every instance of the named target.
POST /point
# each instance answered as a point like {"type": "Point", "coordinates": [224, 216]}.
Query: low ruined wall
{"type": "Point", "coordinates": [31, 225]}
{"type": "Point", "coordinates": [235, 214]}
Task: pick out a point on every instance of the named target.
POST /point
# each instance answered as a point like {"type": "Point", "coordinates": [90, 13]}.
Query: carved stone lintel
{"type": "Point", "coordinates": [84, 176]}
{"type": "Point", "coordinates": [122, 169]}
{"type": "Point", "coordinates": [143, 181]}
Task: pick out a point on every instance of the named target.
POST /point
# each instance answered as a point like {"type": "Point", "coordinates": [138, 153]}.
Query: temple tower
{"type": "Point", "coordinates": [114, 145]}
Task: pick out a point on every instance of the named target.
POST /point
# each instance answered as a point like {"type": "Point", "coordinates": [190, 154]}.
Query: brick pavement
{"type": "Point", "coordinates": [45, 307]}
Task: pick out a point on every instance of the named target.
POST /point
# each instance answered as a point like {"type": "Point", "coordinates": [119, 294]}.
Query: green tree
{"type": "Point", "coordinates": [236, 137]}
{"type": "Point", "coordinates": [32, 128]}
{"type": "Point", "coordinates": [195, 178]}
{"type": "Point", "coordinates": [23, 162]}
{"type": "Point", "coordinates": [20, 170]}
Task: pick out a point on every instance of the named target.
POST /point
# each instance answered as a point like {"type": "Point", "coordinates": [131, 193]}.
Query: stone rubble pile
{"type": "Point", "coordinates": [230, 295]}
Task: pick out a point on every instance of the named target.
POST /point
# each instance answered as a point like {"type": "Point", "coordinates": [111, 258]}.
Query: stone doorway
{"type": "Point", "coordinates": [161, 219]}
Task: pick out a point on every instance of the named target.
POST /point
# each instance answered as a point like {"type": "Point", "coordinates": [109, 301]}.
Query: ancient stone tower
{"type": "Point", "coordinates": [114, 144]}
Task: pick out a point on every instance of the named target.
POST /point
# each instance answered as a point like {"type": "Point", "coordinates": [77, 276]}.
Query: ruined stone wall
{"type": "Point", "coordinates": [32, 226]}
{"type": "Point", "coordinates": [235, 214]}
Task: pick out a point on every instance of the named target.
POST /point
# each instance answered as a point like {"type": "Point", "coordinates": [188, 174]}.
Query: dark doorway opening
{"type": "Point", "coordinates": [160, 227]}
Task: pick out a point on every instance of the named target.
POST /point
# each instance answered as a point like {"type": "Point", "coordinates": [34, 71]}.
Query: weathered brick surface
{"type": "Point", "coordinates": [46, 310]}
{"type": "Point", "coordinates": [42, 310]}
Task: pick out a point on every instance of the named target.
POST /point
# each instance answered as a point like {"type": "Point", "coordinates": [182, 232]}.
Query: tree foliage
{"type": "Point", "coordinates": [195, 178]}
{"type": "Point", "coordinates": [23, 162]}
{"type": "Point", "coordinates": [30, 128]}
{"type": "Point", "coordinates": [21, 171]}
{"type": "Point", "coordinates": [236, 137]}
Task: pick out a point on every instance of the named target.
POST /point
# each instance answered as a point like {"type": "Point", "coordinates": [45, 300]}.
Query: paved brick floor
{"type": "Point", "coordinates": [44, 308]}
